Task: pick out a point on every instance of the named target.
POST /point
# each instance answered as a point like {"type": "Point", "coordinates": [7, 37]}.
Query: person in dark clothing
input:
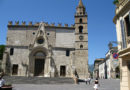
{"type": "Point", "coordinates": [96, 84]}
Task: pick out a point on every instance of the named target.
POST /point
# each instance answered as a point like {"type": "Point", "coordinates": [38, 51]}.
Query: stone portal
{"type": "Point", "coordinates": [38, 62]}
{"type": "Point", "coordinates": [62, 71]}
{"type": "Point", "coordinates": [39, 67]}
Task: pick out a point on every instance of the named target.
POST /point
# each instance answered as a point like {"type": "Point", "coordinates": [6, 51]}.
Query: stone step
{"type": "Point", "coordinates": [37, 80]}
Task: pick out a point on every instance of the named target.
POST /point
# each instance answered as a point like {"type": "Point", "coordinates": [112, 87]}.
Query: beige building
{"type": "Point", "coordinates": [122, 21]}
{"type": "Point", "coordinates": [109, 67]}
{"type": "Point", "coordinates": [47, 50]}
{"type": "Point", "coordinates": [96, 67]}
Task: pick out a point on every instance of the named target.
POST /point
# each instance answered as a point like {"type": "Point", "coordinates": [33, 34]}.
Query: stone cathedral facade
{"type": "Point", "coordinates": [47, 50]}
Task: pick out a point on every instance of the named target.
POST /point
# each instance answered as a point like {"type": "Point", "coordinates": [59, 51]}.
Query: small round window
{"type": "Point", "coordinates": [81, 37]}
{"type": "Point", "coordinates": [40, 40]}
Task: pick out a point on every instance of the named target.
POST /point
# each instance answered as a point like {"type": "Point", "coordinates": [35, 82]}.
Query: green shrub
{"type": "Point", "coordinates": [115, 2]}
{"type": "Point", "coordinates": [2, 48]}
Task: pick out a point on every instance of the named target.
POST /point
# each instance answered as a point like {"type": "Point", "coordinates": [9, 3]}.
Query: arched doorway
{"type": "Point", "coordinates": [37, 61]}
{"type": "Point", "coordinates": [39, 64]}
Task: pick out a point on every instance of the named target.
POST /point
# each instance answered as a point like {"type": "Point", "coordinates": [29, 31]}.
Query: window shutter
{"type": "Point", "coordinates": [123, 34]}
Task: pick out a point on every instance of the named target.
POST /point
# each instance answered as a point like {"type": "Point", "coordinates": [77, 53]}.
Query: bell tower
{"type": "Point", "coordinates": [81, 41]}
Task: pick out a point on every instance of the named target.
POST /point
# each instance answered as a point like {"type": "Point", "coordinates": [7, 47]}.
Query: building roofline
{"type": "Point", "coordinates": [125, 8]}
{"type": "Point", "coordinates": [32, 26]}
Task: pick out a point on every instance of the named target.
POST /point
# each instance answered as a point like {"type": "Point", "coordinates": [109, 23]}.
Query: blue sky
{"type": "Point", "coordinates": [101, 28]}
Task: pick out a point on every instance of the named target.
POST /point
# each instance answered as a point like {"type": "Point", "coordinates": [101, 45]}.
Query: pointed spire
{"type": "Point", "coordinates": [80, 10]}
{"type": "Point", "coordinates": [81, 4]}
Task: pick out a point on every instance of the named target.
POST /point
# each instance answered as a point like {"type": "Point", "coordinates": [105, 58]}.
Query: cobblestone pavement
{"type": "Point", "coordinates": [104, 85]}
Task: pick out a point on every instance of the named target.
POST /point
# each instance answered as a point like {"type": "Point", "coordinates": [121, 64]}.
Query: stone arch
{"type": "Point", "coordinates": [80, 20]}
{"type": "Point", "coordinates": [38, 49]}
{"type": "Point", "coordinates": [81, 46]}
{"type": "Point", "coordinates": [80, 29]}
{"type": "Point", "coordinates": [37, 60]}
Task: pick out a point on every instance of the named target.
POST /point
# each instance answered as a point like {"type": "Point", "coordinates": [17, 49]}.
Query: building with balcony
{"type": "Point", "coordinates": [109, 67]}
{"type": "Point", "coordinates": [122, 21]}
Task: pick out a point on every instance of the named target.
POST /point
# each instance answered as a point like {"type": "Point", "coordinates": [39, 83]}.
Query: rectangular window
{"type": "Point", "coordinates": [127, 25]}
{"type": "Point", "coordinates": [15, 69]}
{"type": "Point", "coordinates": [67, 53]}
{"type": "Point", "coordinates": [11, 51]}
{"type": "Point", "coordinates": [123, 34]}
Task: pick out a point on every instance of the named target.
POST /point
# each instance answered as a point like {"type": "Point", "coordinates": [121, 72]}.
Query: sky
{"type": "Point", "coordinates": [101, 29]}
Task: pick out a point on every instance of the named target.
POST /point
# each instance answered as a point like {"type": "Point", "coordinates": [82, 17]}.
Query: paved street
{"type": "Point", "coordinates": [104, 85]}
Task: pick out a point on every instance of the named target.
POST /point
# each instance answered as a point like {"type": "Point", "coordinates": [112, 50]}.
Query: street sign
{"type": "Point", "coordinates": [115, 55]}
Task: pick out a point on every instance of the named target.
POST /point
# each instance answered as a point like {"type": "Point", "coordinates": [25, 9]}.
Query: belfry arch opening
{"type": "Point", "coordinates": [80, 20]}
{"type": "Point", "coordinates": [81, 46]}
{"type": "Point", "coordinates": [80, 29]}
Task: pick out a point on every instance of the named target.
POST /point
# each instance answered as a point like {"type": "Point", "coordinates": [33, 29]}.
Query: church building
{"type": "Point", "coordinates": [47, 50]}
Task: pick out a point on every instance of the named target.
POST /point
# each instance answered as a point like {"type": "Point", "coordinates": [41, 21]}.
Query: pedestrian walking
{"type": "Point", "coordinates": [75, 77]}
{"type": "Point", "coordinates": [86, 81]}
{"type": "Point", "coordinates": [96, 84]}
{"type": "Point", "coordinates": [89, 80]}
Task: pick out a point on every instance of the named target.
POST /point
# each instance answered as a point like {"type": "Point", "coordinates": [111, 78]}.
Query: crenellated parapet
{"type": "Point", "coordinates": [23, 23]}
{"type": "Point", "coordinates": [16, 22]}
{"type": "Point", "coordinates": [30, 24]}
{"type": "Point", "coordinates": [37, 24]}
{"type": "Point", "coordinates": [66, 25]}
{"type": "Point", "coordinates": [59, 24]}
{"type": "Point", "coordinates": [10, 22]}
{"type": "Point", "coordinates": [46, 24]}
{"type": "Point", "coordinates": [72, 25]}
{"type": "Point", "coordinates": [52, 24]}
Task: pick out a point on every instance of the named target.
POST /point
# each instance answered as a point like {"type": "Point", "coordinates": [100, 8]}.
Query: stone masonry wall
{"type": "Point", "coordinates": [20, 57]}
{"type": "Point", "coordinates": [62, 60]}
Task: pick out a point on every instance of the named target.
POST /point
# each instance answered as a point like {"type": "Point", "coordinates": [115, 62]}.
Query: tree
{"type": "Point", "coordinates": [2, 48]}
{"type": "Point", "coordinates": [115, 2]}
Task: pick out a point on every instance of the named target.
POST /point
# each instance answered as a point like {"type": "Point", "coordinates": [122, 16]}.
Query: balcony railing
{"type": "Point", "coordinates": [123, 2]}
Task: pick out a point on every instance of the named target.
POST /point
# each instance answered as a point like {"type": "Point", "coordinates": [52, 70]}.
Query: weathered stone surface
{"type": "Point", "coordinates": [59, 46]}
